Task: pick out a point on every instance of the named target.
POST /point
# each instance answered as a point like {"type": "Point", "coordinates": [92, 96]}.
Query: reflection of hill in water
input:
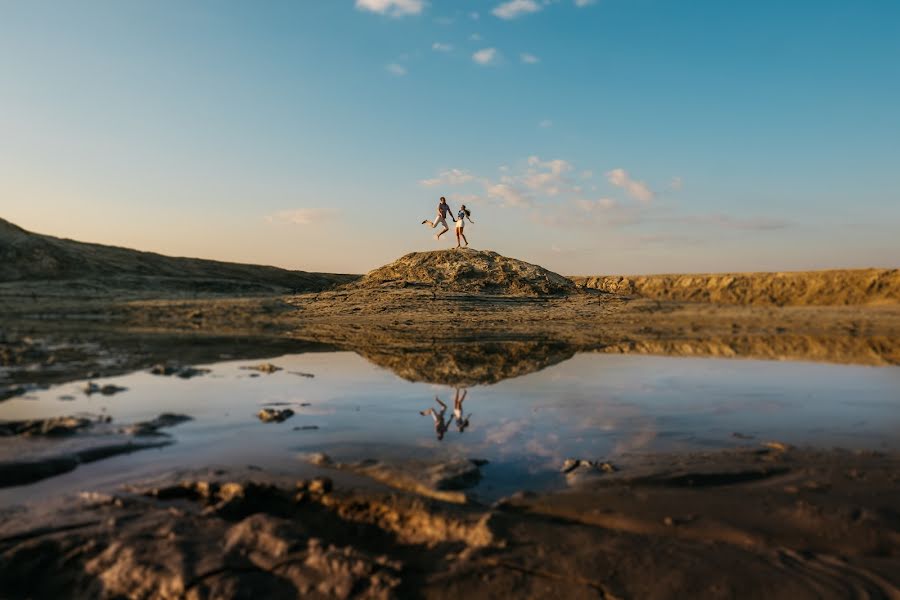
{"type": "Point", "coordinates": [470, 364]}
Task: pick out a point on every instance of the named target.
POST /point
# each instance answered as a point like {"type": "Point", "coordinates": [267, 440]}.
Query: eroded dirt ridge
{"type": "Point", "coordinates": [805, 288]}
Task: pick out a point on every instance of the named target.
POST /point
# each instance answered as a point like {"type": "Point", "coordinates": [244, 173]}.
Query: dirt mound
{"type": "Point", "coordinates": [467, 271]}
{"type": "Point", "coordinates": [26, 256]}
{"type": "Point", "coordinates": [803, 288]}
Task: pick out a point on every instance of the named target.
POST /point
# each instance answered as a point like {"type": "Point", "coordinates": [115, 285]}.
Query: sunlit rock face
{"type": "Point", "coordinates": [467, 271]}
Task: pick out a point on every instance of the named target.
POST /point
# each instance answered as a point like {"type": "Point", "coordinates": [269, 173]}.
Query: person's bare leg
{"type": "Point", "coordinates": [438, 400]}
{"type": "Point", "coordinates": [446, 229]}
{"type": "Point", "coordinates": [464, 237]}
{"type": "Point", "coordinates": [425, 413]}
{"type": "Point", "coordinates": [457, 238]}
{"type": "Point", "coordinates": [457, 401]}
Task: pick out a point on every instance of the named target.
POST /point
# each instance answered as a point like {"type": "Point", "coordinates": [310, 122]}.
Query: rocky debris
{"type": "Point", "coordinates": [468, 271]}
{"type": "Point", "coordinates": [442, 480]}
{"type": "Point", "coordinates": [267, 368]}
{"type": "Point", "coordinates": [302, 374]}
{"type": "Point", "coordinates": [821, 288]}
{"type": "Point", "coordinates": [41, 448]}
{"type": "Point", "coordinates": [578, 470]}
{"type": "Point", "coordinates": [274, 415]}
{"type": "Point", "coordinates": [153, 426]}
{"type": "Point", "coordinates": [53, 426]}
{"type": "Point", "coordinates": [109, 389]}
{"type": "Point", "coordinates": [306, 428]}
{"type": "Point", "coordinates": [183, 371]}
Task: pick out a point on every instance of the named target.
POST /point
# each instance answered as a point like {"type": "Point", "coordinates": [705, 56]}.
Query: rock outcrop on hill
{"type": "Point", "coordinates": [26, 256]}
{"type": "Point", "coordinates": [466, 271]}
{"type": "Point", "coordinates": [803, 288]}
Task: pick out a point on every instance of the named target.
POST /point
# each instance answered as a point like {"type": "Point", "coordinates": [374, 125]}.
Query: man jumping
{"type": "Point", "coordinates": [442, 209]}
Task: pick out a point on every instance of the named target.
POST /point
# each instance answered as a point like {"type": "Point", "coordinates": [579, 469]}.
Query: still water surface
{"type": "Point", "coordinates": [591, 406]}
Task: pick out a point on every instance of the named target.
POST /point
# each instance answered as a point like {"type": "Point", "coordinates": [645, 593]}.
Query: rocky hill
{"type": "Point", "coordinates": [804, 288]}
{"type": "Point", "coordinates": [29, 257]}
{"type": "Point", "coordinates": [466, 271]}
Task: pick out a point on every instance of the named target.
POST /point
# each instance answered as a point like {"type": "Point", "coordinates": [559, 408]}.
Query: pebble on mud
{"type": "Point", "coordinates": [263, 368]}
{"type": "Point", "coordinates": [107, 390]}
{"type": "Point", "coordinates": [274, 415]}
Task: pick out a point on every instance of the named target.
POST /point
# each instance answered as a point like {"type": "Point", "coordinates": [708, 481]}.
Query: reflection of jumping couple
{"type": "Point", "coordinates": [441, 219]}
{"type": "Point", "coordinates": [441, 424]}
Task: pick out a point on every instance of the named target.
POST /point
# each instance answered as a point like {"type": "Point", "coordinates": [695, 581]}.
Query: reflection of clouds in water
{"type": "Point", "coordinates": [507, 430]}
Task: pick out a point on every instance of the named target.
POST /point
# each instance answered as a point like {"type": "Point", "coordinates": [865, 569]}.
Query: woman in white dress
{"type": "Point", "coordinates": [464, 213]}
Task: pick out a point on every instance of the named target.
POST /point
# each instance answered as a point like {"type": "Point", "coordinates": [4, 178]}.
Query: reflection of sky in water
{"type": "Point", "coordinates": [592, 406]}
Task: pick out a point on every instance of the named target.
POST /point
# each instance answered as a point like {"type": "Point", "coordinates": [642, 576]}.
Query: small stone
{"type": "Point", "coordinates": [778, 446]}
{"type": "Point", "coordinates": [320, 485]}
{"type": "Point", "coordinates": [231, 490]}
{"type": "Point", "coordinates": [274, 415]}
{"type": "Point", "coordinates": [668, 521]}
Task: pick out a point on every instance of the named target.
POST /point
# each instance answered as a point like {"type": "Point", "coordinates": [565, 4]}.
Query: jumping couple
{"type": "Point", "coordinates": [441, 423]}
{"type": "Point", "coordinates": [441, 219]}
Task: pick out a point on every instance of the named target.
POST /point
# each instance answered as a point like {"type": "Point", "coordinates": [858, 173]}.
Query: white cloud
{"type": "Point", "coordinates": [301, 216]}
{"type": "Point", "coordinates": [515, 8]}
{"type": "Point", "coordinates": [583, 3]}
{"type": "Point", "coordinates": [587, 174]}
{"type": "Point", "coordinates": [636, 189]}
{"type": "Point", "coordinates": [395, 69]}
{"type": "Point", "coordinates": [545, 124]}
{"type": "Point", "coordinates": [486, 56]}
{"type": "Point", "coordinates": [449, 177]}
{"type": "Point", "coordinates": [439, 47]}
{"type": "Point", "coordinates": [509, 195]}
{"type": "Point", "coordinates": [676, 184]}
{"type": "Point", "coordinates": [546, 177]}
{"type": "Point", "coordinates": [529, 59]}
{"type": "Point", "coordinates": [474, 16]}
{"type": "Point", "coordinates": [475, 37]}
{"type": "Point", "coordinates": [392, 8]}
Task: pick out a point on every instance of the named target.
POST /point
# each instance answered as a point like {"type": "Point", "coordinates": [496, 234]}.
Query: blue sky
{"type": "Point", "coordinates": [616, 136]}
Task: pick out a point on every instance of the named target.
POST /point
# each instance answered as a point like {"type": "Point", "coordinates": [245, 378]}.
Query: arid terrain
{"type": "Point", "coordinates": [767, 520]}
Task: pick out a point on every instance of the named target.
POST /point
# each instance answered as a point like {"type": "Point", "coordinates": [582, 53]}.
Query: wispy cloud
{"type": "Point", "coordinates": [545, 124]}
{"type": "Point", "coordinates": [396, 69]}
{"type": "Point", "coordinates": [486, 56]}
{"type": "Point", "coordinates": [546, 177]}
{"type": "Point", "coordinates": [475, 37]}
{"type": "Point", "coordinates": [636, 189]}
{"type": "Point", "coordinates": [583, 3]}
{"type": "Point", "coordinates": [474, 16]}
{"type": "Point", "coordinates": [515, 8]}
{"type": "Point", "coordinates": [729, 222]}
{"type": "Point", "coordinates": [449, 177]}
{"type": "Point", "coordinates": [676, 184]}
{"type": "Point", "coordinates": [529, 59]}
{"type": "Point", "coordinates": [392, 8]}
{"type": "Point", "coordinates": [507, 194]}
{"type": "Point", "coordinates": [301, 216]}
{"type": "Point", "coordinates": [440, 47]}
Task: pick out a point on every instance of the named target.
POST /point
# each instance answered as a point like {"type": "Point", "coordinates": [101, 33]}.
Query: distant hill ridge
{"type": "Point", "coordinates": [26, 256]}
